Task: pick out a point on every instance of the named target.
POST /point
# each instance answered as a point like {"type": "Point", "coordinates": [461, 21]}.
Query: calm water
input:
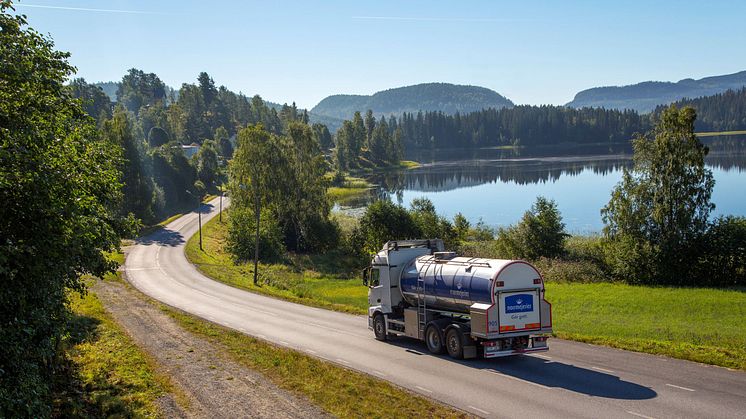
{"type": "Point", "coordinates": [498, 186]}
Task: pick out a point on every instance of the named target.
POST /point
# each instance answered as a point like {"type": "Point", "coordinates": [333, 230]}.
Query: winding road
{"type": "Point", "coordinates": [571, 380]}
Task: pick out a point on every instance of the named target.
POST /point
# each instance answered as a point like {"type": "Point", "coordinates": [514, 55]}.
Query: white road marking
{"type": "Point", "coordinates": [379, 373]}
{"type": "Point", "coordinates": [343, 361]}
{"type": "Point", "coordinates": [639, 415]}
{"type": "Point", "coordinates": [542, 356]}
{"type": "Point", "coordinates": [519, 379]}
{"type": "Point", "coordinates": [682, 388]}
{"type": "Point", "coordinates": [310, 351]}
{"type": "Point", "coordinates": [424, 389]}
{"type": "Point", "coordinates": [261, 337]}
{"type": "Point", "coordinates": [603, 369]}
{"type": "Point", "coordinates": [282, 342]}
{"type": "Point", "coordinates": [484, 412]}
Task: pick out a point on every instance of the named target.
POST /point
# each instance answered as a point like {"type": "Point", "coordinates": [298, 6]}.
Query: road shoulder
{"type": "Point", "coordinates": [214, 385]}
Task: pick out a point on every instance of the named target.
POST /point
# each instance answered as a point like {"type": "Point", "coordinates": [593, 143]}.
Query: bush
{"type": "Point", "coordinates": [430, 224]}
{"type": "Point", "coordinates": [242, 234]}
{"type": "Point", "coordinates": [563, 270]}
{"type": "Point", "coordinates": [723, 260]}
{"type": "Point", "coordinates": [382, 221]}
{"type": "Point", "coordinates": [540, 233]}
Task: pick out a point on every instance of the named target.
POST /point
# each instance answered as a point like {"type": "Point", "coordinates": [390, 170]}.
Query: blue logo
{"type": "Point", "coordinates": [519, 303]}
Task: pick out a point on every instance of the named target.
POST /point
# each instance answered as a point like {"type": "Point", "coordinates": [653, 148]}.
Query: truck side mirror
{"type": "Point", "coordinates": [366, 275]}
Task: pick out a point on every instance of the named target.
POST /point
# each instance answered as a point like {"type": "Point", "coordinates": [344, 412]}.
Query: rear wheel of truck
{"type": "Point", "coordinates": [379, 327]}
{"type": "Point", "coordinates": [455, 343]}
{"type": "Point", "coordinates": [434, 339]}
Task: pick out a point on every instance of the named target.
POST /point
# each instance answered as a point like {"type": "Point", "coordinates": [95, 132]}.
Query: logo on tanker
{"type": "Point", "coordinates": [519, 303]}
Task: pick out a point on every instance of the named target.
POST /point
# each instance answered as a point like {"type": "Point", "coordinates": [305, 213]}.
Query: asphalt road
{"type": "Point", "coordinates": [571, 380]}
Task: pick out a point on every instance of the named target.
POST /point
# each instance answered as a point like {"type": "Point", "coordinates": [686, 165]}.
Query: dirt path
{"type": "Point", "coordinates": [215, 385]}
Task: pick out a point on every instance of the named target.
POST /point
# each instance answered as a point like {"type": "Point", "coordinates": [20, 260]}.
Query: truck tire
{"type": "Point", "coordinates": [379, 327]}
{"type": "Point", "coordinates": [455, 343]}
{"type": "Point", "coordinates": [434, 339]}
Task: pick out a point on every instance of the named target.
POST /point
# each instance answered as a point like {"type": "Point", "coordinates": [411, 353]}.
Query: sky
{"type": "Point", "coordinates": [532, 52]}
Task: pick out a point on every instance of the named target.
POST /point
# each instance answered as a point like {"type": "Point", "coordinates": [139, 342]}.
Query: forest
{"type": "Point", "coordinates": [151, 122]}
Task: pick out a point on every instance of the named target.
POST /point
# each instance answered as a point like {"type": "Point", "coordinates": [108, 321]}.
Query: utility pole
{"type": "Point", "coordinates": [220, 214]}
{"type": "Point", "coordinates": [199, 217]}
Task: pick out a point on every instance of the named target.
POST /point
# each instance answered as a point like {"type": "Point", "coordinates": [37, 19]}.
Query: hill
{"type": "Point", "coordinates": [644, 97]}
{"type": "Point", "coordinates": [443, 97]}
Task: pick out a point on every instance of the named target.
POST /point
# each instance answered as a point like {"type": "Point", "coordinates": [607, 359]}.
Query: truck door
{"type": "Point", "coordinates": [376, 290]}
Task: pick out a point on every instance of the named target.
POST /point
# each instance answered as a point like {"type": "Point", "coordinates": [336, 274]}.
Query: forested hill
{"type": "Point", "coordinates": [644, 97]}
{"type": "Point", "coordinates": [433, 97]}
{"type": "Point", "coordinates": [721, 112]}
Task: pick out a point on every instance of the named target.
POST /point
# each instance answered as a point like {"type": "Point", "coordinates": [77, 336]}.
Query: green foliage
{"type": "Point", "coordinates": [658, 214]}
{"type": "Point", "coordinates": [382, 221]}
{"type": "Point", "coordinates": [59, 195]}
{"type": "Point", "coordinates": [138, 185]}
{"type": "Point", "coordinates": [139, 89]}
{"type": "Point", "coordinates": [723, 259]}
{"type": "Point", "coordinates": [540, 233]}
{"type": "Point", "coordinates": [95, 102]}
{"type": "Point", "coordinates": [242, 235]}
{"type": "Point", "coordinates": [365, 139]}
{"type": "Point", "coordinates": [323, 136]}
{"type": "Point", "coordinates": [461, 226]}
{"type": "Point", "coordinates": [206, 163]}
{"type": "Point", "coordinates": [157, 136]}
{"type": "Point", "coordinates": [721, 112]}
{"type": "Point", "coordinates": [173, 173]}
{"type": "Point", "coordinates": [225, 148]}
{"type": "Point", "coordinates": [302, 205]}
{"type": "Point", "coordinates": [521, 125]}
{"type": "Point", "coordinates": [430, 224]}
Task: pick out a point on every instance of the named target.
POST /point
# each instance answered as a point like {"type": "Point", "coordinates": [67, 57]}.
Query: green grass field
{"type": "Point", "coordinates": [105, 374]}
{"type": "Point", "coordinates": [311, 280]}
{"type": "Point", "coordinates": [704, 325]}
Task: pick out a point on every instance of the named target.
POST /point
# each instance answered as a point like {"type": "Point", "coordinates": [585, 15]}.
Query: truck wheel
{"type": "Point", "coordinates": [455, 343]}
{"type": "Point", "coordinates": [379, 327]}
{"type": "Point", "coordinates": [434, 339]}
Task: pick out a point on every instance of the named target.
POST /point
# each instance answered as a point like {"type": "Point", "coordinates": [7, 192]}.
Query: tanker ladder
{"type": "Point", "coordinates": [421, 298]}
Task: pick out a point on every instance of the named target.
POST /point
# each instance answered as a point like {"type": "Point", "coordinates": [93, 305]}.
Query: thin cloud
{"type": "Point", "coordinates": [431, 19]}
{"type": "Point", "coordinates": [84, 9]}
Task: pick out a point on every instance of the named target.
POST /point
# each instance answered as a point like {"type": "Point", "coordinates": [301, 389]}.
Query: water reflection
{"type": "Point", "coordinates": [509, 180]}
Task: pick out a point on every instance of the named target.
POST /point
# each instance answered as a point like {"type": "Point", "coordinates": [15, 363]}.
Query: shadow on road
{"type": "Point", "coordinates": [162, 237]}
{"type": "Point", "coordinates": [168, 237]}
{"type": "Point", "coordinates": [546, 373]}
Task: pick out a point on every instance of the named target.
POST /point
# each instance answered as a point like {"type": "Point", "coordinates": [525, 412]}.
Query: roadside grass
{"type": "Point", "coordinates": [340, 391]}
{"type": "Point", "coordinates": [103, 373]}
{"type": "Point", "coordinates": [317, 280]}
{"type": "Point", "coordinates": [351, 188]}
{"type": "Point", "coordinates": [698, 324]}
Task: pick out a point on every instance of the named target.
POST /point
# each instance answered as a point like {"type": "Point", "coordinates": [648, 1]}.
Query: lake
{"type": "Point", "coordinates": [499, 185]}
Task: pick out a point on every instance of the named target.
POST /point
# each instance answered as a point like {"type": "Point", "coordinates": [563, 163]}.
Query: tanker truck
{"type": "Point", "coordinates": [467, 307]}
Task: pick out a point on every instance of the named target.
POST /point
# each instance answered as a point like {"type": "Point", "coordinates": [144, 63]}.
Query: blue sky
{"type": "Point", "coordinates": [533, 52]}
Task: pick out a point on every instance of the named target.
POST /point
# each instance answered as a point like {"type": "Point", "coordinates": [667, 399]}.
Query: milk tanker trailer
{"type": "Point", "coordinates": [463, 306]}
